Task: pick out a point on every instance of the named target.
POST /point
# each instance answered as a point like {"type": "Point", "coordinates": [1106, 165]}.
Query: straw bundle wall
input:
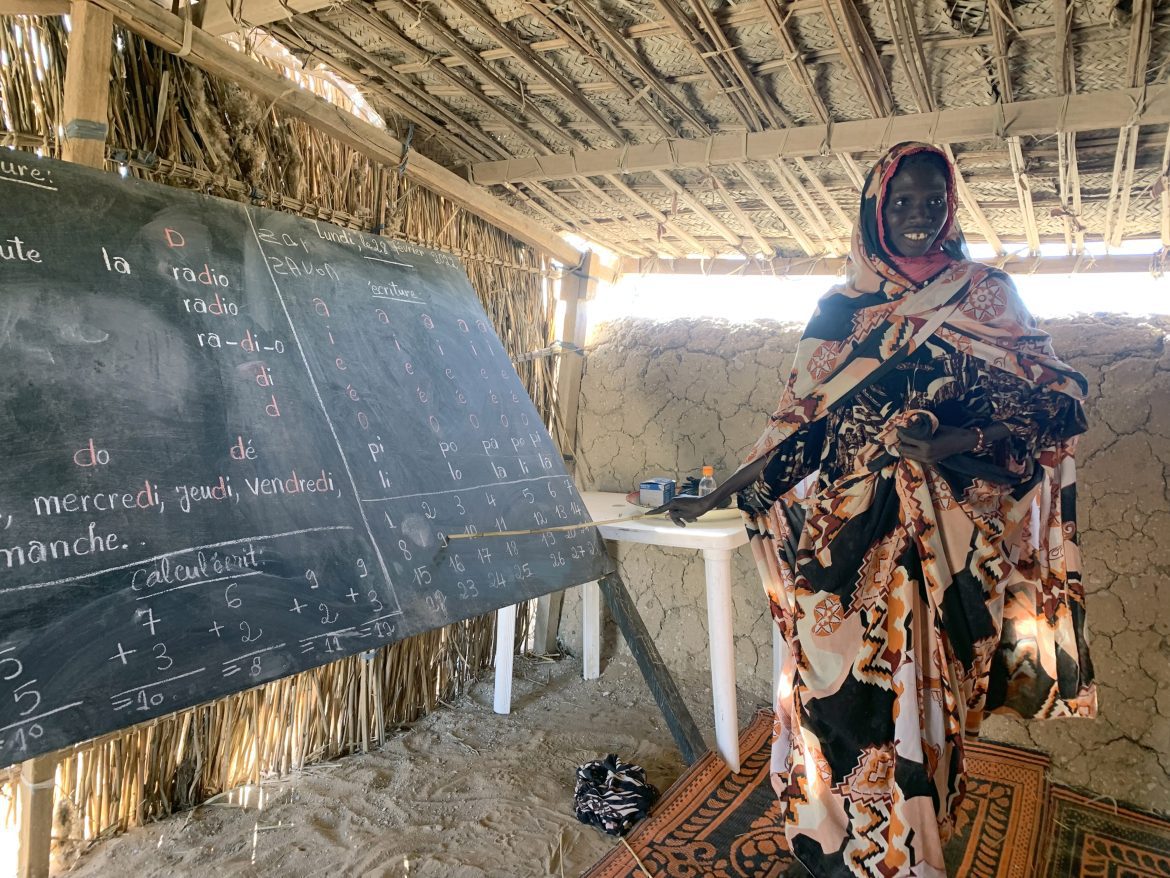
{"type": "Point", "coordinates": [171, 123]}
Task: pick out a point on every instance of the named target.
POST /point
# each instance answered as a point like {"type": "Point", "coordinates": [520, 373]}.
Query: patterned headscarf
{"type": "Point", "coordinates": [872, 263]}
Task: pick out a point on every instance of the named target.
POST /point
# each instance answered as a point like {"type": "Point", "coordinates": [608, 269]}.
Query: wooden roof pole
{"type": "Point", "coordinates": [1024, 194]}
{"type": "Point", "coordinates": [603, 198]}
{"type": "Point", "coordinates": [85, 103]}
{"type": "Point", "coordinates": [908, 44]}
{"type": "Point", "coordinates": [536, 65]}
{"type": "Point", "coordinates": [826, 266]}
{"type": "Point", "coordinates": [659, 217]}
{"type": "Point", "coordinates": [763, 193]}
{"type": "Point", "coordinates": [1141, 22]}
{"type": "Point", "coordinates": [858, 50]}
{"type": "Point", "coordinates": [825, 194]}
{"type": "Point", "coordinates": [471, 141]}
{"type": "Point", "coordinates": [575, 219]}
{"type": "Point", "coordinates": [707, 55]}
{"type": "Point", "coordinates": [908, 50]}
{"type": "Point", "coordinates": [765, 249]}
{"type": "Point", "coordinates": [1041, 117]}
{"type": "Point", "coordinates": [553, 21]}
{"type": "Point", "coordinates": [971, 204]}
{"type": "Point", "coordinates": [806, 205]}
{"type": "Point", "coordinates": [1001, 21]}
{"type": "Point", "coordinates": [791, 55]}
{"type": "Point", "coordinates": [383, 27]}
{"type": "Point", "coordinates": [447, 38]}
{"type": "Point", "coordinates": [697, 207]}
{"type": "Point", "coordinates": [213, 55]}
{"type": "Point", "coordinates": [769, 110]}
{"type": "Point", "coordinates": [731, 15]}
{"type": "Point", "coordinates": [1068, 176]}
{"type": "Point", "coordinates": [617, 42]}
{"type": "Point", "coordinates": [85, 108]}
{"type": "Point", "coordinates": [1164, 181]}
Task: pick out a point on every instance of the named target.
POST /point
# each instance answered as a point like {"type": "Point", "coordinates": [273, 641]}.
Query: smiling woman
{"type": "Point", "coordinates": [911, 510]}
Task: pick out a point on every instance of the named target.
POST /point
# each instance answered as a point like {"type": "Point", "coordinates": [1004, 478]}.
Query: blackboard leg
{"type": "Point", "coordinates": [36, 816]}
{"type": "Point", "coordinates": [662, 686]}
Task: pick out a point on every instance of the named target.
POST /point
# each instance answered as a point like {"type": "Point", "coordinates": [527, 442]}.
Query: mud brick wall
{"type": "Point", "coordinates": [665, 398]}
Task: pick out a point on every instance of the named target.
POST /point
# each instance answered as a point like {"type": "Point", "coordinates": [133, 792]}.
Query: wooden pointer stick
{"type": "Point", "coordinates": [549, 530]}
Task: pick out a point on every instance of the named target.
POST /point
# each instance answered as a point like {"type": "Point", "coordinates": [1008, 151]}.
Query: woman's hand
{"type": "Point", "coordinates": [945, 442]}
{"type": "Point", "coordinates": [680, 510]}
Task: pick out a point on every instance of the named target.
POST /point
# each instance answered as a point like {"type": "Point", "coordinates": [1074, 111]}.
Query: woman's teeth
{"type": "Point", "coordinates": [915, 236]}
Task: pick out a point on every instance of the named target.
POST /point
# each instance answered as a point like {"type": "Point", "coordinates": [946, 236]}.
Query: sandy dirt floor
{"type": "Point", "coordinates": [462, 793]}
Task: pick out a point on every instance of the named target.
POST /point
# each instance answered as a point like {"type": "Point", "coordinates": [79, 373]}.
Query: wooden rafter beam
{"type": "Point", "coordinates": [608, 202]}
{"type": "Point", "coordinates": [1024, 194]}
{"type": "Point", "coordinates": [34, 7]}
{"type": "Point", "coordinates": [908, 48]}
{"type": "Point", "coordinates": [765, 195]}
{"type": "Point", "coordinates": [535, 64]}
{"type": "Point", "coordinates": [823, 266]}
{"type": "Point", "coordinates": [765, 249]}
{"type": "Point", "coordinates": [771, 112]}
{"type": "Point", "coordinates": [552, 19]}
{"type": "Point", "coordinates": [567, 215]}
{"type": "Point", "coordinates": [1068, 174]}
{"type": "Point", "coordinates": [857, 48]}
{"type": "Point", "coordinates": [395, 90]}
{"type": "Point", "coordinates": [630, 57]}
{"type": "Point", "coordinates": [824, 192]}
{"type": "Point", "coordinates": [659, 217]}
{"type": "Point", "coordinates": [743, 14]}
{"type": "Point", "coordinates": [1121, 185]}
{"type": "Point", "coordinates": [1164, 192]}
{"type": "Point", "coordinates": [971, 205]}
{"type": "Point", "coordinates": [708, 57]}
{"type": "Point", "coordinates": [806, 206]}
{"type": "Point", "coordinates": [211, 54]}
{"type": "Point", "coordinates": [726, 232]}
{"type": "Point", "coordinates": [1003, 28]}
{"type": "Point", "coordinates": [449, 40]}
{"type": "Point", "coordinates": [791, 55]}
{"type": "Point", "coordinates": [1042, 117]}
{"type": "Point", "coordinates": [389, 31]}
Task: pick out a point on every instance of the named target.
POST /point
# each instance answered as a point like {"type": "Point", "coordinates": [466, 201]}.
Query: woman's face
{"type": "Point", "coordinates": [915, 207]}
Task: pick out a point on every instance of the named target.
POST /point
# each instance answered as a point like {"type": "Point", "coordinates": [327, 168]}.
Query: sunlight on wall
{"type": "Point", "coordinates": [792, 299]}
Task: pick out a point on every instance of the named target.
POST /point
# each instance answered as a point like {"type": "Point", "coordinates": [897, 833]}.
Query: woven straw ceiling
{"type": "Point", "coordinates": [473, 83]}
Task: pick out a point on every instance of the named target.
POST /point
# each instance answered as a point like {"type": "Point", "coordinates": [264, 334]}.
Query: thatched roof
{"type": "Point", "coordinates": [680, 126]}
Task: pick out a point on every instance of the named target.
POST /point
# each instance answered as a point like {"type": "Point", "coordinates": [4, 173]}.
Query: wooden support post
{"type": "Point", "coordinates": [86, 104]}
{"type": "Point", "coordinates": [577, 288]}
{"type": "Point", "coordinates": [662, 686]}
{"type": "Point", "coordinates": [87, 84]}
{"type": "Point", "coordinates": [36, 816]}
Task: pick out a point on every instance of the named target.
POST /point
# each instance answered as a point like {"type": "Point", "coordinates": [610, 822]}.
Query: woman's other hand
{"type": "Point", "coordinates": [945, 442]}
{"type": "Point", "coordinates": [680, 510]}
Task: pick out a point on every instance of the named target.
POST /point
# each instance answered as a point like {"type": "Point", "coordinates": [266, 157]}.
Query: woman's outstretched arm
{"type": "Point", "coordinates": [684, 509]}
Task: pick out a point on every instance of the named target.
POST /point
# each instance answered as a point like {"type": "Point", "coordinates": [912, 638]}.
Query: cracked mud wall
{"type": "Point", "coordinates": [665, 398]}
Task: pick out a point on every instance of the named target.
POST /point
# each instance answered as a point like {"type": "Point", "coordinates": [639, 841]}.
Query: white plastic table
{"type": "Point", "coordinates": [717, 539]}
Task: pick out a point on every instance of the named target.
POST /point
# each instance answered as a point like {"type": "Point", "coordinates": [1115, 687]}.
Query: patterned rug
{"type": "Point", "coordinates": [1090, 838]}
{"type": "Point", "coordinates": [716, 824]}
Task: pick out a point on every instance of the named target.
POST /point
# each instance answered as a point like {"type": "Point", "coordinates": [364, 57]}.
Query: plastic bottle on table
{"type": "Point", "coordinates": [707, 483]}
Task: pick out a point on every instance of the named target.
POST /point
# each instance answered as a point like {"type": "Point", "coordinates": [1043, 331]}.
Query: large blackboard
{"type": "Point", "coordinates": [234, 445]}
